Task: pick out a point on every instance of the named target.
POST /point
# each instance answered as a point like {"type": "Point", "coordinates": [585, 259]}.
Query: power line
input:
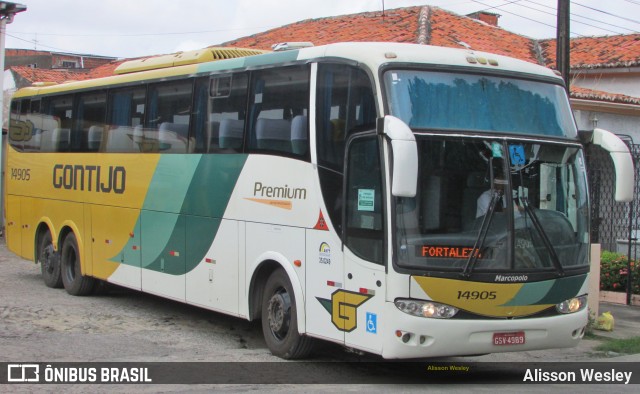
{"type": "Point", "coordinates": [145, 34]}
{"type": "Point", "coordinates": [553, 14]}
{"type": "Point", "coordinates": [606, 13]}
{"type": "Point", "coordinates": [575, 21]}
{"type": "Point", "coordinates": [523, 17]}
{"type": "Point", "coordinates": [498, 6]}
{"type": "Point", "coordinates": [586, 17]}
{"type": "Point", "coordinates": [38, 43]}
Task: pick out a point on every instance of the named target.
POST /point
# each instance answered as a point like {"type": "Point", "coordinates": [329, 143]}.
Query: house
{"type": "Point", "coordinates": [605, 71]}
{"type": "Point", "coordinates": [24, 67]}
{"type": "Point", "coordinates": [52, 60]}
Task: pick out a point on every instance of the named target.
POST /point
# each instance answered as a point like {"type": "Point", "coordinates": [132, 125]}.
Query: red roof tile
{"type": "Point", "coordinates": [64, 75]}
{"type": "Point", "coordinates": [106, 70]}
{"type": "Point", "coordinates": [50, 75]}
{"type": "Point", "coordinates": [599, 95]}
{"type": "Point", "coordinates": [449, 30]}
{"type": "Point", "coordinates": [598, 52]}
{"type": "Point", "coordinates": [399, 25]}
{"type": "Point", "coordinates": [425, 25]}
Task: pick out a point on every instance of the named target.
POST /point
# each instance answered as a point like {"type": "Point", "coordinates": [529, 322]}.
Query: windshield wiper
{"type": "Point", "coordinates": [545, 239]}
{"type": "Point", "coordinates": [482, 235]}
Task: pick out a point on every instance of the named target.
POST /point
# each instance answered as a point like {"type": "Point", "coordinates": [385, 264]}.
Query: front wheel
{"type": "Point", "coordinates": [280, 319]}
{"type": "Point", "coordinates": [74, 282]}
{"type": "Point", "coordinates": [49, 261]}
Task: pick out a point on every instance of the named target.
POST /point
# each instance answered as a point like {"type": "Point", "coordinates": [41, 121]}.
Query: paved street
{"type": "Point", "coordinates": [39, 324]}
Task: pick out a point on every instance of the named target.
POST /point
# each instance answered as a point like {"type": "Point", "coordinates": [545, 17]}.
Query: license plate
{"type": "Point", "coordinates": [508, 338]}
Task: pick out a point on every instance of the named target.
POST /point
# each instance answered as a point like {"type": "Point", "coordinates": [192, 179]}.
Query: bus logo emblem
{"type": "Point", "coordinates": [343, 307]}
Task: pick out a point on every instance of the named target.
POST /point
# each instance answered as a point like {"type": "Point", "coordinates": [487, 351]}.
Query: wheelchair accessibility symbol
{"type": "Point", "coordinates": [372, 323]}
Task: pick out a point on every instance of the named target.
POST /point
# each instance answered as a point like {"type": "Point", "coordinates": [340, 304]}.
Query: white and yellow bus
{"type": "Point", "coordinates": [403, 200]}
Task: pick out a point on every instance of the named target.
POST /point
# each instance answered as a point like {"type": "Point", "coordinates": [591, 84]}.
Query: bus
{"type": "Point", "coordinates": [403, 200]}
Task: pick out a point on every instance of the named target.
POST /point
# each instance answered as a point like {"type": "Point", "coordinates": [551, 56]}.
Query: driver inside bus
{"type": "Point", "coordinates": [484, 200]}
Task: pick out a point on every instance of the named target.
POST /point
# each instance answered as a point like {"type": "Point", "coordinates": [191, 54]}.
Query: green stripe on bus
{"type": "Point", "coordinates": [563, 289]}
{"type": "Point", "coordinates": [170, 182]}
{"type": "Point", "coordinates": [531, 293]}
{"type": "Point", "coordinates": [211, 186]}
{"type": "Point", "coordinates": [548, 292]}
{"type": "Point", "coordinates": [199, 188]}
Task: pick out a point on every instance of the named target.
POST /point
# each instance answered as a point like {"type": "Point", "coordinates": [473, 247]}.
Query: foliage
{"type": "Point", "coordinates": [614, 273]}
{"type": "Point", "coordinates": [623, 346]}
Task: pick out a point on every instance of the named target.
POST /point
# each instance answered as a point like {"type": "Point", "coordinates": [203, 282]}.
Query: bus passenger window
{"type": "Point", "coordinates": [346, 105]}
{"type": "Point", "coordinates": [20, 131]}
{"type": "Point", "coordinates": [89, 126]}
{"type": "Point", "coordinates": [168, 116]}
{"type": "Point", "coordinates": [364, 203]}
{"type": "Point", "coordinates": [221, 103]}
{"type": "Point", "coordinates": [126, 114]}
{"type": "Point", "coordinates": [279, 110]}
{"type": "Point", "coordinates": [58, 138]}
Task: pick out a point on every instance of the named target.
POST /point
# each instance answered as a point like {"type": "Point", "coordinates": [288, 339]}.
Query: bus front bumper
{"type": "Point", "coordinates": [406, 336]}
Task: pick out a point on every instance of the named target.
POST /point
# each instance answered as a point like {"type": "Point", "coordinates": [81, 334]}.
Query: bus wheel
{"type": "Point", "coordinates": [72, 279]}
{"type": "Point", "coordinates": [49, 261]}
{"type": "Point", "coordinates": [279, 319]}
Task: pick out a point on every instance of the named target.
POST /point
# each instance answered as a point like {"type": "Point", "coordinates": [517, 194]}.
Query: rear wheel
{"type": "Point", "coordinates": [49, 261]}
{"type": "Point", "coordinates": [280, 319]}
{"type": "Point", "coordinates": [74, 282]}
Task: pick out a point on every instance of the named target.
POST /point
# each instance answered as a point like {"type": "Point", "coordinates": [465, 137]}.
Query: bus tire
{"type": "Point", "coordinates": [49, 261]}
{"type": "Point", "coordinates": [280, 319]}
{"type": "Point", "coordinates": [74, 282]}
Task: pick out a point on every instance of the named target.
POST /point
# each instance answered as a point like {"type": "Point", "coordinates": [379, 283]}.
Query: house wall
{"type": "Point", "coordinates": [616, 123]}
{"type": "Point", "coordinates": [620, 80]}
{"type": "Point", "coordinates": [619, 119]}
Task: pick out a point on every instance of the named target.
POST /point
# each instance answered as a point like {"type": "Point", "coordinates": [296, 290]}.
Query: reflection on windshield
{"type": "Point", "coordinates": [494, 205]}
{"type": "Point", "coordinates": [436, 100]}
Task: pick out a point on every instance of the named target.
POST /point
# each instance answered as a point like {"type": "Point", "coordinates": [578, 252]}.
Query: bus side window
{"type": "Point", "coordinates": [35, 122]}
{"type": "Point", "coordinates": [364, 203]}
{"type": "Point", "coordinates": [279, 109]}
{"type": "Point", "coordinates": [19, 128]}
{"type": "Point", "coordinates": [125, 121]}
{"type": "Point", "coordinates": [168, 117]}
{"type": "Point", "coordinates": [346, 104]}
{"type": "Point", "coordinates": [58, 137]}
{"type": "Point", "coordinates": [223, 105]}
{"type": "Point", "coordinates": [90, 123]}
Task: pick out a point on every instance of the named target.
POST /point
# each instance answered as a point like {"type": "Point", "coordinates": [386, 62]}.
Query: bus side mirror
{"type": "Point", "coordinates": [404, 179]}
{"type": "Point", "coordinates": [622, 162]}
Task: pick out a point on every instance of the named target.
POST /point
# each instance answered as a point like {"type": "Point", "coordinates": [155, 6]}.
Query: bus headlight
{"type": "Point", "coordinates": [429, 309]}
{"type": "Point", "coordinates": [572, 305]}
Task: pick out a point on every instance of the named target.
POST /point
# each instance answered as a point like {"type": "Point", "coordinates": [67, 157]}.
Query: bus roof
{"type": "Point", "coordinates": [371, 54]}
{"type": "Point", "coordinates": [376, 54]}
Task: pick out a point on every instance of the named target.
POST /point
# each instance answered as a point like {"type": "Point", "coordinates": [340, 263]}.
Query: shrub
{"type": "Point", "coordinates": [614, 273]}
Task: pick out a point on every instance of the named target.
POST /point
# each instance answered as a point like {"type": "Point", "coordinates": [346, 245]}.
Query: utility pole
{"type": "Point", "coordinates": [562, 42]}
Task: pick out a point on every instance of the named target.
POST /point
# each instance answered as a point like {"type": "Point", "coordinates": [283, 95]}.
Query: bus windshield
{"type": "Point", "coordinates": [468, 102]}
{"type": "Point", "coordinates": [494, 205]}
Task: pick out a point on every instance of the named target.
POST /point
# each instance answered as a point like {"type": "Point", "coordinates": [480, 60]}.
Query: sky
{"type": "Point", "coordinates": [135, 28]}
